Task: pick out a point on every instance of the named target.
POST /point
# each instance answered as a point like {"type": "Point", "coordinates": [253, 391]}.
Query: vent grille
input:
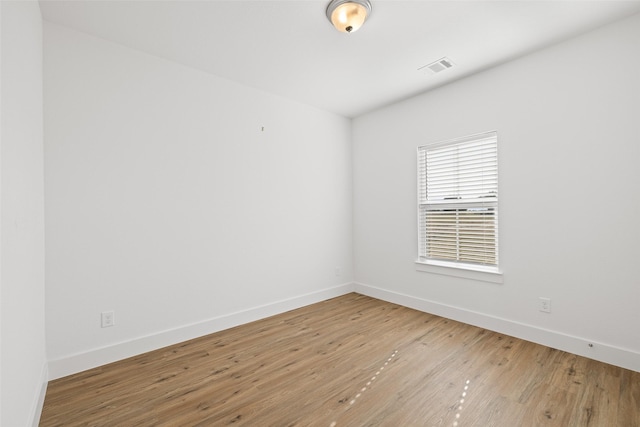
{"type": "Point", "coordinates": [437, 66]}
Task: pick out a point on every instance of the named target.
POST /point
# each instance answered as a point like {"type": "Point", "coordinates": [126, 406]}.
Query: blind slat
{"type": "Point", "coordinates": [458, 200]}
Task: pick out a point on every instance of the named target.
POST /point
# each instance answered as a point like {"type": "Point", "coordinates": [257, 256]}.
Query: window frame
{"type": "Point", "coordinates": [458, 268]}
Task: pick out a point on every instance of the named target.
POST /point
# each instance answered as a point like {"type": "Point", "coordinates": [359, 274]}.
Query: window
{"type": "Point", "coordinates": [458, 203]}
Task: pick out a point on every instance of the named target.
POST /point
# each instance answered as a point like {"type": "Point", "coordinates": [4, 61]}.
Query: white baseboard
{"type": "Point", "coordinates": [599, 351]}
{"type": "Point", "coordinates": [38, 401]}
{"type": "Point", "coordinates": [101, 356]}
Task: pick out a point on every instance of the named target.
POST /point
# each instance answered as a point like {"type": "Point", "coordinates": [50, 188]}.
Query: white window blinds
{"type": "Point", "coordinates": [458, 200]}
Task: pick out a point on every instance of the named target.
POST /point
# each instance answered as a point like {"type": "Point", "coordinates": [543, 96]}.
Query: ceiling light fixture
{"type": "Point", "coordinates": [348, 15]}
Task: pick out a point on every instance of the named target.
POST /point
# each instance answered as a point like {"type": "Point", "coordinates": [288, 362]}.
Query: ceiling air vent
{"type": "Point", "coordinates": [435, 67]}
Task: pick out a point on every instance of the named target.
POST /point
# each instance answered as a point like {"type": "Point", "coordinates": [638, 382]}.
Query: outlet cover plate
{"type": "Point", "coordinates": [108, 319]}
{"type": "Point", "coordinates": [544, 304]}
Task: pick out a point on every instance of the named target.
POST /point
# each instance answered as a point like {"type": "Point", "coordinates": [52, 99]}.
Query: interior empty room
{"type": "Point", "coordinates": [319, 213]}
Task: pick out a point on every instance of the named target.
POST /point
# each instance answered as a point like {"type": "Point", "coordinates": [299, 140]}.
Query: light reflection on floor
{"type": "Point", "coordinates": [462, 397]}
{"type": "Point", "coordinates": [368, 384]}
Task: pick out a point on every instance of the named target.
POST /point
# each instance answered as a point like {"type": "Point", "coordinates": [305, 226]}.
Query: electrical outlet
{"type": "Point", "coordinates": [337, 271]}
{"type": "Point", "coordinates": [544, 304]}
{"type": "Point", "coordinates": [108, 319]}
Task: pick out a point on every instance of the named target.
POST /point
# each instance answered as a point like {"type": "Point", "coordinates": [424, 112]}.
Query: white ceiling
{"type": "Point", "coordinates": [289, 48]}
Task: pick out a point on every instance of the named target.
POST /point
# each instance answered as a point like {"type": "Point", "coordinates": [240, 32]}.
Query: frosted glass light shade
{"type": "Point", "coordinates": [348, 15]}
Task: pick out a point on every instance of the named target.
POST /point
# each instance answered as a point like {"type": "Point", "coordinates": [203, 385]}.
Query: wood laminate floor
{"type": "Point", "coordinates": [349, 361]}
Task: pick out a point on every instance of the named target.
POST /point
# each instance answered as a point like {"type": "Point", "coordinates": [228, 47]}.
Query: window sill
{"type": "Point", "coordinates": [484, 274]}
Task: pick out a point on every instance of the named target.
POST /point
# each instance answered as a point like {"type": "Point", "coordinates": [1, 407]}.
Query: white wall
{"type": "Point", "coordinates": [168, 203]}
{"type": "Point", "coordinates": [567, 121]}
{"type": "Point", "coordinates": [22, 228]}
